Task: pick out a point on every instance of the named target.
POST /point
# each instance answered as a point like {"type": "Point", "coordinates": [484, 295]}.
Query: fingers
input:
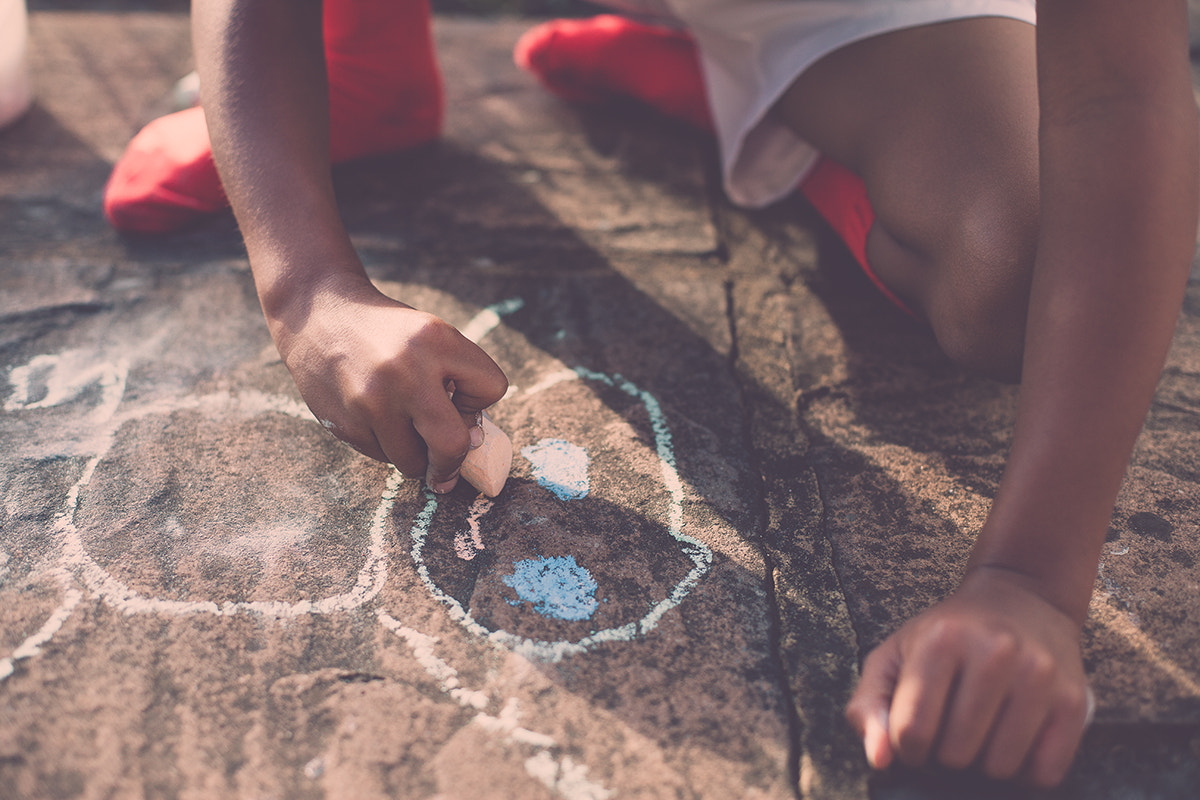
{"type": "Point", "coordinates": [1055, 749]}
{"type": "Point", "coordinates": [867, 711]}
{"type": "Point", "coordinates": [478, 383]}
{"type": "Point", "coordinates": [923, 690]}
{"type": "Point", "coordinates": [983, 685]}
{"type": "Point", "coordinates": [401, 445]}
{"type": "Point", "coordinates": [447, 435]}
{"type": "Point", "coordinates": [947, 692]}
{"type": "Point", "coordinates": [440, 422]}
{"type": "Point", "coordinates": [450, 429]}
{"type": "Point", "coordinates": [1022, 718]}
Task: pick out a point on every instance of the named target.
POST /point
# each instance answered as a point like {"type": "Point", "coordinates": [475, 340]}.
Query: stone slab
{"type": "Point", "coordinates": [205, 595]}
{"type": "Point", "coordinates": [900, 454]}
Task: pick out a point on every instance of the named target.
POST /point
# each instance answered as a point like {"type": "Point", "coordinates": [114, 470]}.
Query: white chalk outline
{"type": "Point", "coordinates": [369, 582]}
{"type": "Point", "coordinates": [562, 776]}
{"type": "Point", "coordinates": [697, 551]}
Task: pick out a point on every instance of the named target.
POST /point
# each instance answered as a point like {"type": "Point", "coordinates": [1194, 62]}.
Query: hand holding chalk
{"type": "Point", "coordinates": [486, 467]}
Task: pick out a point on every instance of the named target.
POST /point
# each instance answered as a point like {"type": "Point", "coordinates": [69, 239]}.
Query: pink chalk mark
{"type": "Point", "coordinates": [468, 543]}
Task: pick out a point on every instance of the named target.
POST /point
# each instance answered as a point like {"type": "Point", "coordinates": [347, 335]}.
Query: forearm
{"type": "Point", "coordinates": [1118, 218]}
{"type": "Point", "coordinates": [265, 98]}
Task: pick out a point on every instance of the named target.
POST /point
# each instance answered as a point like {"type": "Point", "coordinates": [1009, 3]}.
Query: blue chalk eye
{"type": "Point", "coordinates": [556, 587]}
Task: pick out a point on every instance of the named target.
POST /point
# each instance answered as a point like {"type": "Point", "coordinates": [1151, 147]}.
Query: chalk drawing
{"type": "Point", "coordinates": [468, 543]}
{"type": "Point", "coordinates": [551, 651]}
{"type": "Point", "coordinates": [52, 380]}
{"type": "Point", "coordinates": [559, 466]}
{"type": "Point", "coordinates": [507, 723]}
{"type": "Point", "coordinates": [556, 587]}
{"type": "Point", "coordinates": [369, 580]}
{"type": "Point", "coordinates": [443, 673]}
{"type": "Point", "coordinates": [33, 645]}
{"type": "Point", "coordinates": [565, 777]}
{"type": "Point", "coordinates": [561, 775]}
{"type": "Point", "coordinates": [64, 377]}
{"type": "Point", "coordinates": [486, 320]}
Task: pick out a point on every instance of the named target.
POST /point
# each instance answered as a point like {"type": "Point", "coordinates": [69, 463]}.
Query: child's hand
{"type": "Point", "coordinates": [378, 374]}
{"type": "Point", "coordinates": [991, 677]}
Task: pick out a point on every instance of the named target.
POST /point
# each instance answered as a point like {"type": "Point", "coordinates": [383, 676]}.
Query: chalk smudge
{"type": "Point", "coordinates": [560, 466]}
{"type": "Point", "coordinates": [557, 587]}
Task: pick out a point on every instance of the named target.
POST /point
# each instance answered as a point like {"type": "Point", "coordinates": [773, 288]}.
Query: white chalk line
{"type": "Point", "coordinates": [553, 651]}
{"type": "Point", "coordinates": [32, 646]}
{"type": "Point", "coordinates": [486, 320]}
{"type": "Point", "coordinates": [560, 775]}
{"type": "Point", "coordinates": [65, 383]}
{"type": "Point", "coordinates": [368, 583]}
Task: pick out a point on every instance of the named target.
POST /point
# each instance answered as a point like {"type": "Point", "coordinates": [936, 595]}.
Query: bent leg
{"type": "Point", "coordinates": [940, 121]}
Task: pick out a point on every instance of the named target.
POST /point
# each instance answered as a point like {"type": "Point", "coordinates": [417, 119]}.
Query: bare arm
{"type": "Point", "coordinates": [1118, 146]}
{"type": "Point", "coordinates": [373, 370]}
{"type": "Point", "coordinates": [993, 674]}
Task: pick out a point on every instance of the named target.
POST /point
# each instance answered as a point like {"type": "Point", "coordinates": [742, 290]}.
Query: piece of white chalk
{"type": "Point", "coordinates": [486, 467]}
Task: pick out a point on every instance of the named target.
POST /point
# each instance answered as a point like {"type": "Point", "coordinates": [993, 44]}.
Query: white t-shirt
{"type": "Point", "coordinates": [752, 50]}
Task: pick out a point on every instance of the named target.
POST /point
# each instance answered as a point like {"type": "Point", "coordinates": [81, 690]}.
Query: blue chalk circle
{"type": "Point", "coordinates": [557, 587]}
{"type": "Point", "coordinates": [560, 466]}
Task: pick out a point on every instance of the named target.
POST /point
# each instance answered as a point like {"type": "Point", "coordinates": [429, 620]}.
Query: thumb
{"type": "Point", "coordinates": [867, 711]}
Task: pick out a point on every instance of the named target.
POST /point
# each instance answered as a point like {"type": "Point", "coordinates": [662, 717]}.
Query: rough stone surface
{"type": "Point", "coordinates": [202, 594]}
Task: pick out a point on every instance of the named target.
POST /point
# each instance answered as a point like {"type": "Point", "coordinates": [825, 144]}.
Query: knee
{"type": "Point", "coordinates": [980, 300]}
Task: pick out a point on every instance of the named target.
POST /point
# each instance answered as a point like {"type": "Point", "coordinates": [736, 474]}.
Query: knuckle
{"type": "Point", "coordinates": [429, 329]}
{"type": "Point", "coordinates": [1038, 668]}
{"type": "Point", "coordinates": [1073, 701]}
{"type": "Point", "coordinates": [855, 713]}
{"type": "Point", "coordinates": [873, 662]}
{"type": "Point", "coordinates": [943, 633]}
{"type": "Point", "coordinates": [1001, 651]}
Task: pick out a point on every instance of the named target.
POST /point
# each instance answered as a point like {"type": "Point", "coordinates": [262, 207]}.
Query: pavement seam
{"type": "Point", "coordinates": [774, 621]}
{"type": "Point", "coordinates": [818, 444]}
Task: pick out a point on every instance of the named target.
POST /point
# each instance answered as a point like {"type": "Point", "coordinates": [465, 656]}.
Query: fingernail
{"type": "Point", "coordinates": [476, 436]}
{"type": "Point", "coordinates": [442, 487]}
